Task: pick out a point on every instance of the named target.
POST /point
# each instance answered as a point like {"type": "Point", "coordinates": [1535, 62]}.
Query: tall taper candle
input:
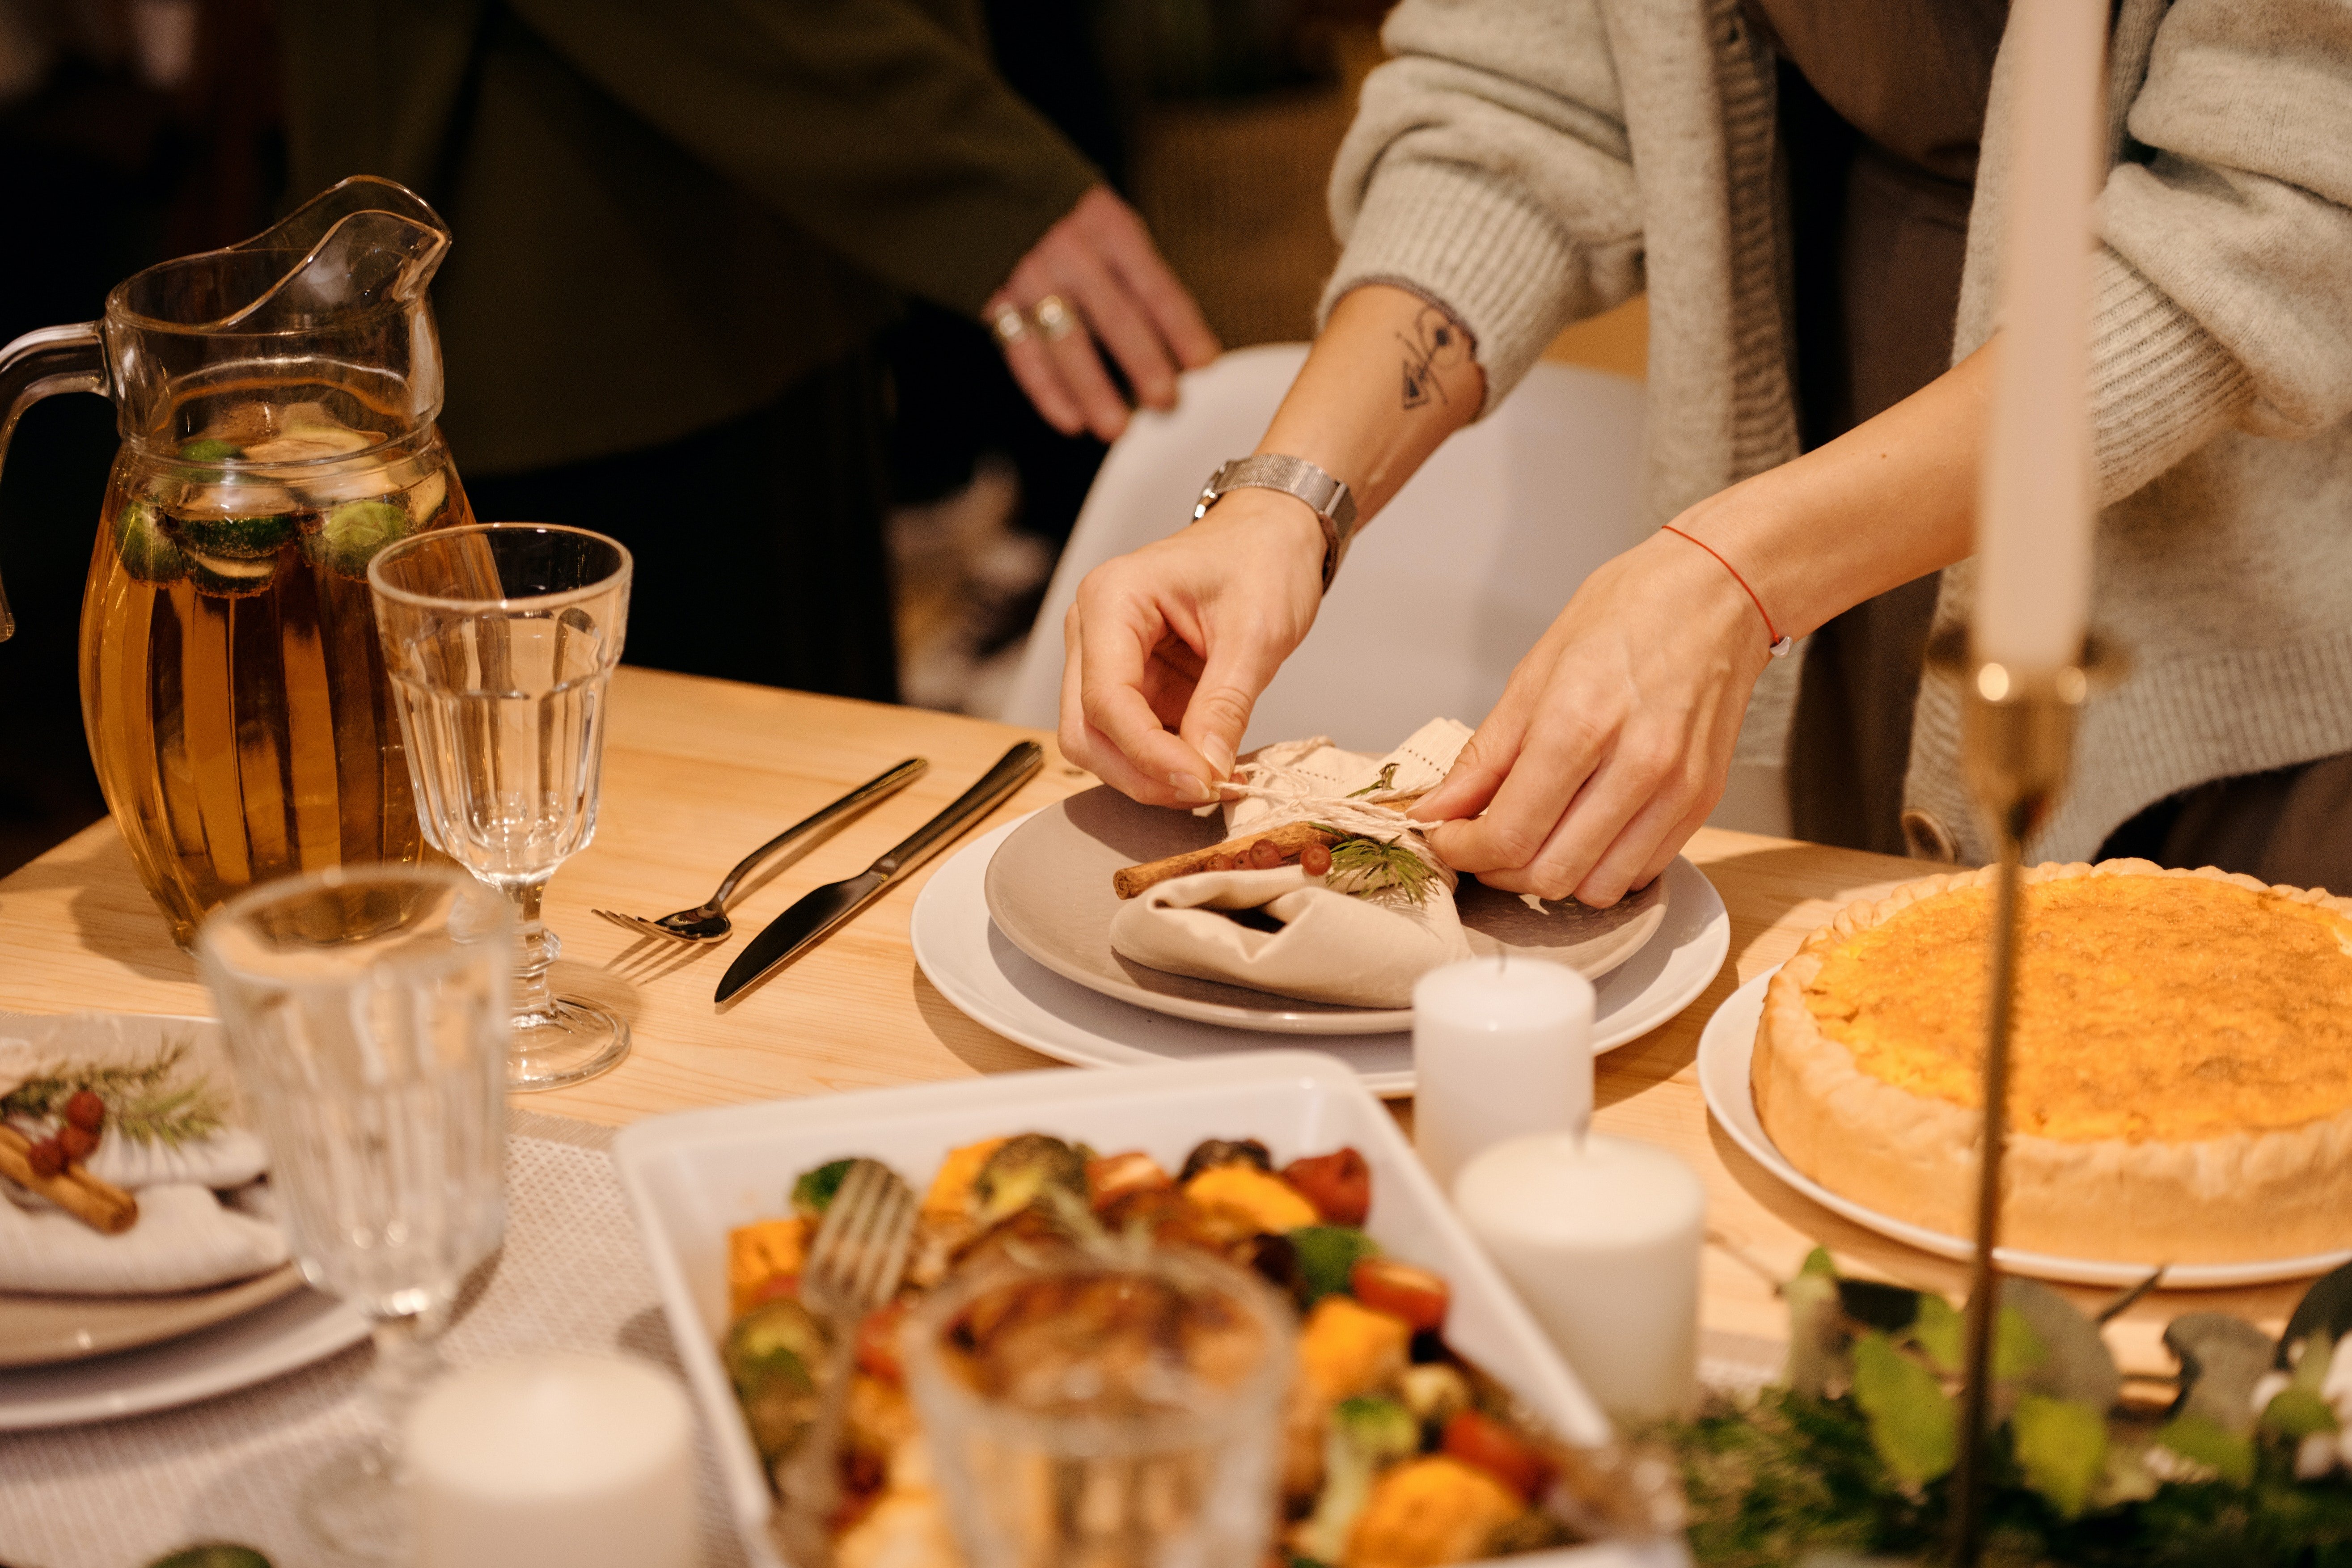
{"type": "Point", "coordinates": [2033, 527]}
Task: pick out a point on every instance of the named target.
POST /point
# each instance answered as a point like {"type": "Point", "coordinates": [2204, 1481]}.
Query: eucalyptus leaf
{"type": "Point", "coordinates": [1940, 1333]}
{"type": "Point", "coordinates": [2222, 1359]}
{"type": "Point", "coordinates": [1911, 1421]}
{"type": "Point", "coordinates": [1814, 1339]}
{"type": "Point", "coordinates": [2325, 1309]}
{"type": "Point", "coordinates": [2196, 1439]}
{"type": "Point", "coordinates": [1890, 1309]}
{"type": "Point", "coordinates": [1819, 1262]}
{"type": "Point", "coordinates": [2061, 1446]}
{"type": "Point", "coordinates": [2075, 1363]}
{"type": "Point", "coordinates": [2298, 1413]}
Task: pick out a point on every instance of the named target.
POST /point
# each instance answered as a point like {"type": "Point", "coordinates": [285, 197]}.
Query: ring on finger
{"type": "Point", "coordinates": [1009, 324]}
{"type": "Point", "coordinates": [1054, 318]}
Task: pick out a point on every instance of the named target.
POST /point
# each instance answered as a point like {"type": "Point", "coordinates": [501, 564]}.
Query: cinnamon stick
{"type": "Point", "coordinates": [1291, 839]}
{"type": "Point", "coordinates": [102, 1205]}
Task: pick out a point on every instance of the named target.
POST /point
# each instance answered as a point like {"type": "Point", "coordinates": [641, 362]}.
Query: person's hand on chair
{"type": "Point", "coordinates": [1096, 278]}
{"type": "Point", "coordinates": [1167, 649]}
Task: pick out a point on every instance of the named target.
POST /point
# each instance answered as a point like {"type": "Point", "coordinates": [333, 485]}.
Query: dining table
{"type": "Point", "coordinates": [697, 770]}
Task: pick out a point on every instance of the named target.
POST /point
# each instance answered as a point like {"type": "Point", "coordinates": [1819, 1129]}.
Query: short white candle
{"type": "Point", "coordinates": [1600, 1237]}
{"type": "Point", "coordinates": [1500, 1048]}
{"type": "Point", "coordinates": [583, 1461]}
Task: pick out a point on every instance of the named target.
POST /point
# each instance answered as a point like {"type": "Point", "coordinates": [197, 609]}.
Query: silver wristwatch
{"type": "Point", "coordinates": [1327, 498]}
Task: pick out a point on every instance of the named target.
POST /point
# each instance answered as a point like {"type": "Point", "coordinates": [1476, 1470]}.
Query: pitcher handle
{"type": "Point", "coordinates": [52, 360]}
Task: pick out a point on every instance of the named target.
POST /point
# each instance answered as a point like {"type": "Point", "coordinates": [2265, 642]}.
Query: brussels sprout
{"type": "Point", "coordinates": [211, 450]}
{"type": "Point", "coordinates": [1216, 1151]}
{"type": "Point", "coordinates": [1021, 1173]}
{"type": "Point", "coordinates": [771, 1355]}
{"type": "Point", "coordinates": [146, 551]}
{"type": "Point", "coordinates": [1326, 1257]}
{"type": "Point", "coordinates": [351, 535]}
{"type": "Point", "coordinates": [812, 1193]}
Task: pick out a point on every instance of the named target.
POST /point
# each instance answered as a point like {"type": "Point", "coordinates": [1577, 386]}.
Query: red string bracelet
{"type": "Point", "coordinates": [1780, 645]}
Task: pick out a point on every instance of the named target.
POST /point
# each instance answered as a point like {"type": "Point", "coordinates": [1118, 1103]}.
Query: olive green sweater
{"type": "Point", "coordinates": [666, 211]}
{"type": "Point", "coordinates": [1531, 164]}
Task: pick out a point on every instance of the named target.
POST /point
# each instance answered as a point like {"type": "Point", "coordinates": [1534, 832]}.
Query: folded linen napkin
{"type": "Point", "coordinates": [174, 1134]}
{"type": "Point", "coordinates": [1339, 939]}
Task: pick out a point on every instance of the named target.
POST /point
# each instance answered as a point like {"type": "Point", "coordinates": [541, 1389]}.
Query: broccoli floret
{"type": "Point", "coordinates": [1364, 1437]}
{"type": "Point", "coordinates": [812, 1193]}
{"type": "Point", "coordinates": [1327, 1255]}
{"type": "Point", "coordinates": [1212, 1152]}
{"type": "Point", "coordinates": [1022, 1172]}
{"type": "Point", "coordinates": [771, 1355]}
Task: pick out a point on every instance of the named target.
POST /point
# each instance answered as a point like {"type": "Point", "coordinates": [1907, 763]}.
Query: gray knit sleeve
{"type": "Point", "coordinates": [1488, 170]}
{"type": "Point", "coordinates": [2224, 294]}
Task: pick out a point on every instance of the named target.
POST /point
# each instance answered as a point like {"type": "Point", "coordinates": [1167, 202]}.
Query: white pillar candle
{"type": "Point", "coordinates": [1500, 1048]}
{"type": "Point", "coordinates": [1600, 1237]}
{"type": "Point", "coordinates": [2033, 529]}
{"type": "Point", "coordinates": [558, 1460]}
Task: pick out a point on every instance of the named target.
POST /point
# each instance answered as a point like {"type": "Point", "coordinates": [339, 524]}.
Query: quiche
{"type": "Point", "coordinates": [2180, 1063]}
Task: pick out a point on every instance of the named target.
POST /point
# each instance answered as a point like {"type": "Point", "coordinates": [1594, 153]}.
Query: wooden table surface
{"type": "Point", "coordinates": [698, 771]}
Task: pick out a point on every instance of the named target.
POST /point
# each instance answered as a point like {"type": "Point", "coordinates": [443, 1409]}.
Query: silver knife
{"type": "Point", "coordinates": [814, 918]}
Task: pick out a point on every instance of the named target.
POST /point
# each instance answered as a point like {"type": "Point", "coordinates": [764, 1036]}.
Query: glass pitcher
{"type": "Point", "coordinates": [276, 402]}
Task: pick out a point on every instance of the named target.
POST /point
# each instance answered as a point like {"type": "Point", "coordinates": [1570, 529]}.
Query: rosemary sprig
{"type": "Point", "coordinates": [143, 1103]}
{"type": "Point", "coordinates": [1386, 781]}
{"type": "Point", "coordinates": [1375, 867]}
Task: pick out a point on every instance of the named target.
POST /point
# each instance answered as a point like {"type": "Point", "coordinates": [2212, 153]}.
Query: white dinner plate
{"type": "Point", "coordinates": [291, 1332]}
{"type": "Point", "coordinates": [1723, 1049]}
{"type": "Point", "coordinates": [994, 984]}
{"type": "Point", "coordinates": [693, 1175]}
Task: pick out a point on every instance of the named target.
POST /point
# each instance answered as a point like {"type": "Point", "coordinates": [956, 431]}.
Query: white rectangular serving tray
{"type": "Point", "coordinates": [693, 1176]}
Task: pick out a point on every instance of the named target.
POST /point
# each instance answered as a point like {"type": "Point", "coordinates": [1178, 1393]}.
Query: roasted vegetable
{"type": "Point", "coordinates": [1365, 1436]}
{"type": "Point", "coordinates": [1345, 1348]}
{"type": "Point", "coordinates": [1416, 1295]}
{"type": "Point", "coordinates": [771, 1354]}
{"type": "Point", "coordinates": [1269, 1202]}
{"type": "Point", "coordinates": [1111, 1179]}
{"type": "Point", "coordinates": [950, 1193]}
{"type": "Point", "coordinates": [760, 1256]}
{"type": "Point", "coordinates": [1476, 1438]}
{"type": "Point", "coordinates": [1022, 1172]}
{"type": "Point", "coordinates": [1429, 1511]}
{"type": "Point", "coordinates": [1328, 1255]}
{"type": "Point", "coordinates": [812, 1193]}
{"type": "Point", "coordinates": [1433, 1391]}
{"type": "Point", "coordinates": [1216, 1151]}
{"type": "Point", "coordinates": [878, 1344]}
{"type": "Point", "coordinates": [1339, 1185]}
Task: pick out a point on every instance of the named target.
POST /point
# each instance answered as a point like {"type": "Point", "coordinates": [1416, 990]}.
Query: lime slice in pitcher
{"type": "Point", "coordinates": [146, 552]}
{"type": "Point", "coordinates": [351, 535]}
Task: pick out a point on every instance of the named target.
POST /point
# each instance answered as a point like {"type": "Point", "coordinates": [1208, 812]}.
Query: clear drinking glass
{"type": "Point", "coordinates": [366, 1010]}
{"type": "Point", "coordinates": [499, 639]}
{"type": "Point", "coordinates": [1084, 1412]}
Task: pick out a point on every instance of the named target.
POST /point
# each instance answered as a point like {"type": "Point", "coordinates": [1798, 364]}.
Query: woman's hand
{"type": "Point", "coordinates": [1611, 741]}
{"type": "Point", "coordinates": [1099, 262]}
{"type": "Point", "coordinates": [1181, 637]}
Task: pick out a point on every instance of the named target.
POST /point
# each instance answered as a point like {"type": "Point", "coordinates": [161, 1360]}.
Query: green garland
{"type": "Point", "coordinates": [143, 1102]}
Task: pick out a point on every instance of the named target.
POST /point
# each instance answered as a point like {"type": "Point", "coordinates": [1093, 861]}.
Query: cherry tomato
{"type": "Point", "coordinates": [775, 1287]}
{"type": "Point", "coordinates": [1401, 1290]}
{"type": "Point", "coordinates": [1483, 1441]}
{"type": "Point", "coordinates": [1113, 1176]}
{"type": "Point", "coordinates": [1339, 1184]}
{"type": "Point", "coordinates": [877, 1342]}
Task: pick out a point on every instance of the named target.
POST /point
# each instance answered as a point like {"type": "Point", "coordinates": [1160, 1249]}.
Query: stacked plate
{"type": "Point", "coordinates": [1014, 930]}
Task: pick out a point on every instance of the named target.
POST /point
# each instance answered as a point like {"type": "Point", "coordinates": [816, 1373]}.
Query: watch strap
{"type": "Point", "coordinates": [1325, 496]}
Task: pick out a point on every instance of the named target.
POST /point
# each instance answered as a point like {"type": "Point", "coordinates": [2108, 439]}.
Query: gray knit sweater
{"type": "Point", "coordinates": [1531, 161]}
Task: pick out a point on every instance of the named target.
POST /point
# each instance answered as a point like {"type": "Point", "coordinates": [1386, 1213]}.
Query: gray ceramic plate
{"type": "Point", "coordinates": [1049, 892]}
{"type": "Point", "coordinates": [42, 1331]}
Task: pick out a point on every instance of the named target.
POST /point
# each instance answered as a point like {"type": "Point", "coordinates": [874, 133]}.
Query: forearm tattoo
{"type": "Point", "coordinates": [1436, 345]}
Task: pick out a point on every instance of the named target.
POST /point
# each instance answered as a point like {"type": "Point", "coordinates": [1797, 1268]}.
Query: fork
{"type": "Point", "coordinates": [707, 921]}
{"type": "Point", "coordinates": [853, 1268]}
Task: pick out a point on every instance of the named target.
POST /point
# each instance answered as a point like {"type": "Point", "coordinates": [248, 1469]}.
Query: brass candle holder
{"type": "Point", "coordinates": [2017, 746]}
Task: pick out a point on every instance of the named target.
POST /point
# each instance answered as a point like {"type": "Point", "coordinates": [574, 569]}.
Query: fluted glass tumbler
{"type": "Point", "coordinates": [500, 640]}
{"type": "Point", "coordinates": [366, 1009]}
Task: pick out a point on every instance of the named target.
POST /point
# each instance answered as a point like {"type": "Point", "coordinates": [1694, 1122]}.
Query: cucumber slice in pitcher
{"type": "Point", "coordinates": [236, 538]}
{"type": "Point", "coordinates": [228, 577]}
{"type": "Point", "coordinates": [351, 535]}
{"type": "Point", "coordinates": [145, 551]}
{"type": "Point", "coordinates": [211, 450]}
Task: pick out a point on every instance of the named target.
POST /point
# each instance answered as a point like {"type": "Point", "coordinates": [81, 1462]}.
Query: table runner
{"type": "Point", "coordinates": [570, 1277]}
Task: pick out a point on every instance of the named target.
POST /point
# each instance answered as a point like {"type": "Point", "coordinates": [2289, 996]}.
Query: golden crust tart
{"type": "Point", "coordinates": [2180, 1069]}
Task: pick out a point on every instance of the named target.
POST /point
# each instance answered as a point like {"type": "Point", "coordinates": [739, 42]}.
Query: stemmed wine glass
{"type": "Point", "coordinates": [499, 639]}
{"type": "Point", "coordinates": [366, 1010]}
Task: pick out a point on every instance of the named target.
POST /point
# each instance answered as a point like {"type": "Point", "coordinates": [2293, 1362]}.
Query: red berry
{"type": "Point", "coordinates": [1315, 860]}
{"type": "Point", "coordinates": [1265, 855]}
{"type": "Point", "coordinates": [76, 1141]}
{"type": "Point", "coordinates": [47, 1159]}
{"type": "Point", "coordinates": [86, 1110]}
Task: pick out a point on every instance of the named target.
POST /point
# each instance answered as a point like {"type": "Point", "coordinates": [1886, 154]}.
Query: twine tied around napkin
{"type": "Point", "coordinates": [1358, 940]}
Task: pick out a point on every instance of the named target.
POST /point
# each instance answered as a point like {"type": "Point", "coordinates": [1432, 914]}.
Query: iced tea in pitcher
{"type": "Point", "coordinates": [276, 402]}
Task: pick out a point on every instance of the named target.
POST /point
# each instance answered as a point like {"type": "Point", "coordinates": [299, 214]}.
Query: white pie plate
{"type": "Point", "coordinates": [289, 1332]}
{"type": "Point", "coordinates": [997, 986]}
{"type": "Point", "coordinates": [694, 1175]}
{"type": "Point", "coordinates": [1723, 1049]}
